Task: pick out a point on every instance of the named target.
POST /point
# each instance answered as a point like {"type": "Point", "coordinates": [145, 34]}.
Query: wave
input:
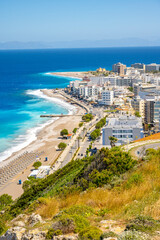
{"type": "Point", "coordinates": [31, 134]}
{"type": "Point", "coordinates": [70, 108]}
{"type": "Point", "coordinates": [24, 140]}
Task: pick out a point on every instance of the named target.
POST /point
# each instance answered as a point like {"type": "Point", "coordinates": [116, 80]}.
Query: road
{"type": "Point", "coordinates": [140, 151]}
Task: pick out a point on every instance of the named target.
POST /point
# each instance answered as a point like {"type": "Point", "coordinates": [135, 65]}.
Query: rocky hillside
{"type": "Point", "coordinates": [109, 195]}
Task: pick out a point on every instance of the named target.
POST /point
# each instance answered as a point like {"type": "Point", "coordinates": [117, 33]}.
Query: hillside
{"type": "Point", "coordinates": [93, 198]}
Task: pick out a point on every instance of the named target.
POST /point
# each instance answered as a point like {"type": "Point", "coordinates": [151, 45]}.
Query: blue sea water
{"type": "Point", "coordinates": [23, 73]}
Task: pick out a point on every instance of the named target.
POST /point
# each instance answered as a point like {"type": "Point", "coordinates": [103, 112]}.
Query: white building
{"type": "Point", "coordinates": [124, 128]}
{"type": "Point", "coordinates": [107, 97]}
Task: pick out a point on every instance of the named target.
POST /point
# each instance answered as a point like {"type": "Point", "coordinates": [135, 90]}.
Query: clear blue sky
{"type": "Point", "coordinates": [67, 20]}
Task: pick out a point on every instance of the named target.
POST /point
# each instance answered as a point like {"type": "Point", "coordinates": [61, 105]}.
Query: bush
{"type": "Point", "coordinates": [2, 227]}
{"type": "Point", "coordinates": [91, 233]}
{"type": "Point", "coordinates": [80, 124]}
{"type": "Point", "coordinates": [95, 134]}
{"type": "Point", "coordinates": [101, 123]}
{"type": "Point", "coordinates": [62, 145]}
{"type": "Point", "coordinates": [64, 132]}
{"type": "Point", "coordinates": [133, 235]}
{"type": "Point", "coordinates": [37, 164]}
{"type": "Point", "coordinates": [143, 224]}
{"type": "Point", "coordinates": [74, 130]}
{"type": "Point", "coordinates": [87, 117]}
{"type": "Point", "coordinates": [5, 200]}
{"type": "Point", "coordinates": [51, 232]}
{"type": "Point", "coordinates": [108, 235]}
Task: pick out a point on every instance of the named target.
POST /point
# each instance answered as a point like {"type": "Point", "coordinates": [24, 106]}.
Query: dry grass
{"type": "Point", "coordinates": [151, 137]}
{"type": "Point", "coordinates": [48, 207]}
{"type": "Point", "coordinates": [123, 201]}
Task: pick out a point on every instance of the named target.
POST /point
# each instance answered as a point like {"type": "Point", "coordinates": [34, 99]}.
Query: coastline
{"type": "Point", "coordinates": [46, 142]}
{"type": "Point", "coordinates": [77, 75]}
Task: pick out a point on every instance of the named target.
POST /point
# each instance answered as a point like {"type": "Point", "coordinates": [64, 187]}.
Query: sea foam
{"type": "Point", "coordinates": [30, 135]}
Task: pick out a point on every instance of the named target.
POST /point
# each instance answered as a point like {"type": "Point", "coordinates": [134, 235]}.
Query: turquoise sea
{"type": "Point", "coordinates": [23, 74]}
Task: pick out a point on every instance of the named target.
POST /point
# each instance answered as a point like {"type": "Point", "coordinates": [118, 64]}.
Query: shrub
{"type": "Point", "coordinates": [143, 224]}
{"type": "Point", "coordinates": [64, 132]}
{"type": "Point", "coordinates": [108, 235]}
{"type": "Point", "coordinates": [51, 232]}
{"type": "Point", "coordinates": [74, 130]}
{"type": "Point", "coordinates": [133, 235]}
{"type": "Point", "coordinates": [101, 123]}
{"type": "Point", "coordinates": [37, 164]}
{"type": "Point", "coordinates": [5, 200]}
{"type": "Point", "coordinates": [80, 124]}
{"type": "Point", "coordinates": [95, 134]}
{"type": "Point", "coordinates": [62, 145]}
{"type": "Point", "coordinates": [2, 226]}
{"type": "Point", "coordinates": [91, 233]}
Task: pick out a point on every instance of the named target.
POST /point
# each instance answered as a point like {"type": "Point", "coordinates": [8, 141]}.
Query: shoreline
{"type": "Point", "coordinates": [77, 75]}
{"type": "Point", "coordinates": [46, 141]}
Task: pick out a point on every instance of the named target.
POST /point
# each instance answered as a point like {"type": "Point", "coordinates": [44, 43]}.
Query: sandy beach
{"type": "Point", "coordinates": [47, 141]}
{"type": "Point", "coordinates": [71, 74]}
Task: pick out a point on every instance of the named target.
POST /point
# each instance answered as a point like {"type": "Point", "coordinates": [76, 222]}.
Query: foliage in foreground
{"type": "Point", "coordinates": [78, 175]}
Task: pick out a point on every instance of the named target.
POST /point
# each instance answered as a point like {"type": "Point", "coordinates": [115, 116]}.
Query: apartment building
{"type": "Point", "coordinates": [125, 129]}
{"type": "Point", "coordinates": [152, 67]}
{"type": "Point", "coordinates": [107, 97]}
{"type": "Point", "coordinates": [119, 68]}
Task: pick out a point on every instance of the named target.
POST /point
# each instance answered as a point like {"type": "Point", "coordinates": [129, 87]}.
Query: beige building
{"type": "Point", "coordinates": [119, 68]}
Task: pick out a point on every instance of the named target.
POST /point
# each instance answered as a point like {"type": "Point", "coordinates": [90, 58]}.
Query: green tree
{"type": "Point", "coordinates": [137, 114]}
{"type": "Point", "coordinates": [113, 140]}
{"type": "Point", "coordinates": [95, 134]}
{"type": "Point", "coordinates": [5, 200]}
{"type": "Point", "coordinates": [87, 117]}
{"type": "Point", "coordinates": [80, 124]}
{"type": "Point", "coordinates": [37, 164]}
{"type": "Point", "coordinates": [64, 132]}
{"type": "Point", "coordinates": [62, 145]}
{"type": "Point", "coordinates": [74, 130]}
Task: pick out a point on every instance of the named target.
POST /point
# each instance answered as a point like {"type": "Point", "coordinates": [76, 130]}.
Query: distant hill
{"type": "Point", "coordinates": [125, 42]}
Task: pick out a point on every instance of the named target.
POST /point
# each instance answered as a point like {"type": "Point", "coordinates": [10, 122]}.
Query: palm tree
{"type": "Point", "coordinates": [113, 140]}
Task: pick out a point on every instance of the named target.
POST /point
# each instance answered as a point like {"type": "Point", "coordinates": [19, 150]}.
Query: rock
{"type": "Point", "coordinates": [19, 224]}
{"type": "Point", "coordinates": [65, 225]}
{"type": "Point", "coordinates": [34, 235]}
{"type": "Point", "coordinates": [34, 219]}
{"type": "Point", "coordinates": [110, 238]}
{"type": "Point", "coordinates": [14, 233]}
{"type": "Point", "coordinates": [65, 237]}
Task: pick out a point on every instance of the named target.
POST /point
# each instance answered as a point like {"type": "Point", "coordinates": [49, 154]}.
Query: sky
{"type": "Point", "coordinates": [70, 20]}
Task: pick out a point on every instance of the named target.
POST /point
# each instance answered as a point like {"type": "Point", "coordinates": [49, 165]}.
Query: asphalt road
{"type": "Point", "coordinates": [140, 151]}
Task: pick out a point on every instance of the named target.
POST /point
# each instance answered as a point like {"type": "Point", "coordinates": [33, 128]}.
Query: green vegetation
{"type": "Point", "coordinates": [101, 123]}
{"type": "Point", "coordinates": [5, 200]}
{"type": "Point", "coordinates": [62, 145]}
{"type": "Point", "coordinates": [107, 185]}
{"type": "Point", "coordinates": [130, 89]}
{"type": "Point", "coordinates": [143, 224]}
{"type": "Point", "coordinates": [94, 171]}
{"type": "Point", "coordinates": [113, 140]}
{"type": "Point", "coordinates": [95, 134]}
{"type": "Point", "coordinates": [80, 124]}
{"type": "Point", "coordinates": [87, 117]}
{"type": "Point", "coordinates": [37, 164]}
{"type": "Point", "coordinates": [137, 114]}
{"type": "Point", "coordinates": [29, 183]}
{"type": "Point", "coordinates": [74, 130]}
{"type": "Point", "coordinates": [64, 132]}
